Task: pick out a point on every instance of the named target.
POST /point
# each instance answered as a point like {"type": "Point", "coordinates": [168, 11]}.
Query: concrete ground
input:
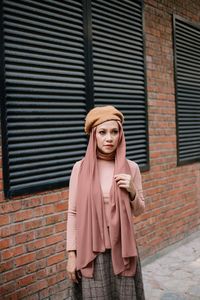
{"type": "Point", "coordinates": [174, 274]}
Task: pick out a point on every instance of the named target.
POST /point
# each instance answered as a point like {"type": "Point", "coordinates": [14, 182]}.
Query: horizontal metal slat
{"type": "Point", "coordinates": [33, 70]}
{"type": "Point", "coordinates": [29, 76]}
{"type": "Point", "coordinates": [118, 67]}
{"type": "Point", "coordinates": [53, 33]}
{"type": "Point", "coordinates": [32, 83]}
{"type": "Point", "coordinates": [21, 63]}
{"type": "Point", "coordinates": [46, 101]}
{"type": "Point", "coordinates": [69, 62]}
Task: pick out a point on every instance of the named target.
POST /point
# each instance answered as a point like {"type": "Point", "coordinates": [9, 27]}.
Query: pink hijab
{"type": "Point", "coordinates": [91, 220]}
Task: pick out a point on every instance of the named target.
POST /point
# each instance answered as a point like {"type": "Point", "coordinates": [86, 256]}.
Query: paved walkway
{"type": "Point", "coordinates": [174, 275]}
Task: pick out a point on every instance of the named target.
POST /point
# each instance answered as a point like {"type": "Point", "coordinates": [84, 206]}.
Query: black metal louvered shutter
{"type": "Point", "coordinates": [118, 67]}
{"type": "Point", "coordinates": [187, 74]}
{"type": "Point", "coordinates": [44, 92]}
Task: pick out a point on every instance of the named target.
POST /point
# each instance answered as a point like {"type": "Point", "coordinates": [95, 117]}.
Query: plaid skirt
{"type": "Point", "coordinates": [107, 286]}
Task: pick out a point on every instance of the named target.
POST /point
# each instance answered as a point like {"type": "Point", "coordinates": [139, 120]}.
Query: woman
{"type": "Point", "coordinates": [105, 190]}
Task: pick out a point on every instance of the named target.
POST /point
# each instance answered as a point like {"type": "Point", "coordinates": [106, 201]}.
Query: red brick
{"type": "Point", "coordinates": [11, 297]}
{"type": "Point", "coordinates": [2, 198]}
{"type": "Point", "coordinates": [4, 220]}
{"type": "Point", "coordinates": [11, 230]}
{"type": "Point", "coordinates": [37, 286]}
{"type": "Point", "coordinates": [48, 251]}
{"type": "Point", "coordinates": [12, 252]}
{"type": "Point", "coordinates": [1, 185]}
{"type": "Point", "coordinates": [24, 237]}
{"type": "Point", "coordinates": [36, 244]}
{"type": "Point", "coordinates": [41, 274]}
{"type": "Point", "coordinates": [55, 218]}
{"type": "Point", "coordinates": [25, 259]}
{"type": "Point", "coordinates": [35, 266]}
{"type": "Point", "coordinates": [51, 198]}
{"type": "Point", "coordinates": [61, 206]}
{"type": "Point", "coordinates": [26, 280]}
{"type": "Point", "coordinates": [44, 210]}
{"type": "Point", "coordinates": [45, 231]}
{"type": "Point", "coordinates": [55, 239]}
{"type": "Point", "coordinates": [6, 266]}
{"type": "Point", "coordinates": [7, 288]}
{"type": "Point", "coordinates": [35, 223]}
{"type": "Point", "coordinates": [62, 266]}
{"type": "Point", "coordinates": [60, 227]}
{"type": "Point", "coordinates": [32, 202]}
{"type": "Point", "coordinates": [23, 215]}
{"type": "Point", "coordinates": [61, 246]}
{"type": "Point", "coordinates": [55, 259]}
{"type": "Point", "coordinates": [5, 243]}
{"type": "Point", "coordinates": [10, 207]}
{"type": "Point", "coordinates": [53, 269]}
{"type": "Point", "coordinates": [65, 194]}
{"type": "Point", "coordinates": [13, 274]}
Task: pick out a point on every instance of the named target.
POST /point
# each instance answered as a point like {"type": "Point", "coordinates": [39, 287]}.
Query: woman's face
{"type": "Point", "coordinates": [107, 135]}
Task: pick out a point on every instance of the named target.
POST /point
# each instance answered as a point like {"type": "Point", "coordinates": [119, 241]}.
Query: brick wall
{"type": "Point", "coordinates": [32, 244]}
{"type": "Point", "coordinates": [172, 193]}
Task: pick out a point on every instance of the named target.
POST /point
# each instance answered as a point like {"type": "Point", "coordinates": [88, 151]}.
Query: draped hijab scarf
{"type": "Point", "coordinates": [91, 220]}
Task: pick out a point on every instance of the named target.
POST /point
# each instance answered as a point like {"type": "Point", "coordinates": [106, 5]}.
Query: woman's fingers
{"type": "Point", "coordinates": [71, 268]}
{"type": "Point", "coordinates": [125, 181]}
{"type": "Point", "coordinates": [72, 277]}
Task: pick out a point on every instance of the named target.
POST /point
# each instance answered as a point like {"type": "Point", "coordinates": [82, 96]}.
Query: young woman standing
{"type": "Point", "coordinates": [105, 191]}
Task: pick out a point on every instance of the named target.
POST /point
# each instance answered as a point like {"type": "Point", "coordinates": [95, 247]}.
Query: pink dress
{"type": "Point", "coordinates": [106, 173]}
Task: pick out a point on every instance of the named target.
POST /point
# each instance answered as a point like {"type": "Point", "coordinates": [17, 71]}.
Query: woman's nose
{"type": "Point", "coordinates": [109, 137]}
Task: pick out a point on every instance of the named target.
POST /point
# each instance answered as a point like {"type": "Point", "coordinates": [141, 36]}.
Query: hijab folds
{"type": "Point", "coordinates": [91, 221]}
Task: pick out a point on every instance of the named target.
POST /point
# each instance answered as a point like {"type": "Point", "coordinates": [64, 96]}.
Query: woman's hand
{"type": "Point", "coordinates": [126, 181]}
{"type": "Point", "coordinates": [71, 266]}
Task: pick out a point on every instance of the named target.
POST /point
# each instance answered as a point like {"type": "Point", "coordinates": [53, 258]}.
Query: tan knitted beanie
{"type": "Point", "coordinates": [102, 114]}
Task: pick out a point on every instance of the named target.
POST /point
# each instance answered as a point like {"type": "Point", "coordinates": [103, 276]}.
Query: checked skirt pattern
{"type": "Point", "coordinates": [107, 286]}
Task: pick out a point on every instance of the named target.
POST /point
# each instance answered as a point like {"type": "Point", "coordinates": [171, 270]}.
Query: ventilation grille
{"type": "Point", "coordinates": [187, 50]}
{"type": "Point", "coordinates": [45, 92]}
{"type": "Point", "coordinates": [118, 67]}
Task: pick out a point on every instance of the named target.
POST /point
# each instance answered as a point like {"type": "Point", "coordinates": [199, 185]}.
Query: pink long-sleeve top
{"type": "Point", "coordinates": [106, 173]}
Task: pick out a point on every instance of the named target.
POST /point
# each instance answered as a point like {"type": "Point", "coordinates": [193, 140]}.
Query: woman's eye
{"type": "Point", "coordinates": [101, 132]}
{"type": "Point", "coordinates": [115, 131]}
